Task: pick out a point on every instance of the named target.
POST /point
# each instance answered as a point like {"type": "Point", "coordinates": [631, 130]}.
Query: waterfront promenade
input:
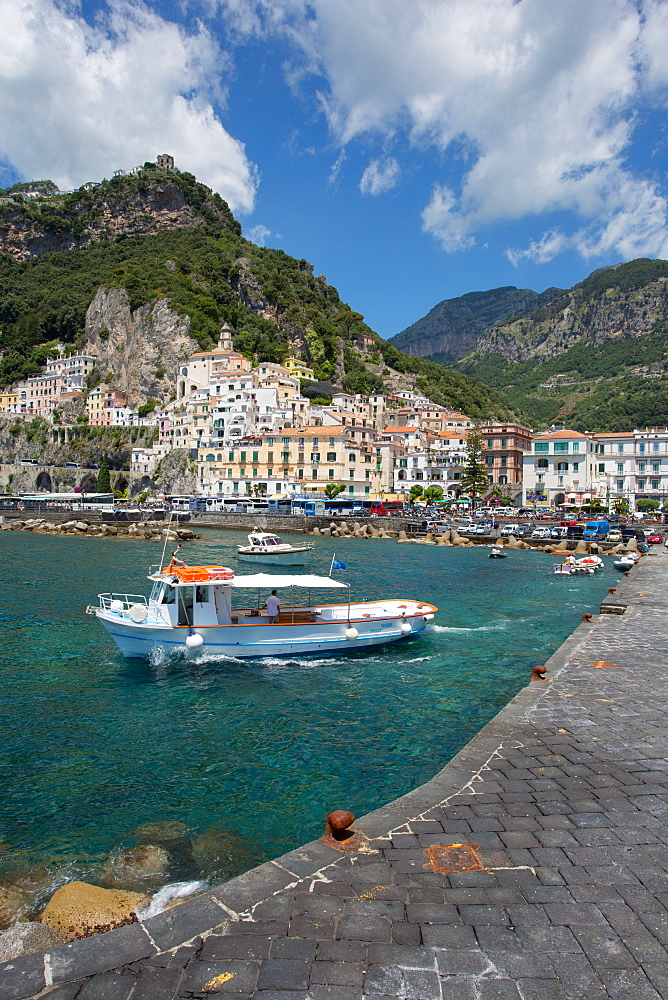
{"type": "Point", "coordinates": [533, 866]}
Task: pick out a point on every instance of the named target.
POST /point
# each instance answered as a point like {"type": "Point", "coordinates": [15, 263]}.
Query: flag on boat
{"type": "Point", "coordinates": [338, 565]}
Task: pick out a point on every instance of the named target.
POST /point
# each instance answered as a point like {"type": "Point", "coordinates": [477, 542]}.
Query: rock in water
{"type": "Point", "coordinates": [14, 904]}
{"type": "Point", "coordinates": [78, 909]}
{"type": "Point", "coordinates": [224, 853]}
{"type": "Point", "coordinates": [142, 867]}
{"type": "Point", "coordinates": [26, 939]}
{"type": "Point", "coordinates": [161, 832]}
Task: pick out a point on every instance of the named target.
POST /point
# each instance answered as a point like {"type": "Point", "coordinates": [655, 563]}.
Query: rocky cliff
{"type": "Point", "coordinates": [452, 329]}
{"type": "Point", "coordinates": [143, 204]}
{"type": "Point", "coordinates": [137, 351]}
{"type": "Point", "coordinates": [580, 316]}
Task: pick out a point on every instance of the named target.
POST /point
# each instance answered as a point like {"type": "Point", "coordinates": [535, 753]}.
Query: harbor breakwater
{"type": "Point", "coordinates": [388, 835]}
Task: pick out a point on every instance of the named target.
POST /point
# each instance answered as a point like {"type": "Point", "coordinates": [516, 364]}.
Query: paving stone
{"type": "Point", "coordinates": [219, 948]}
{"type": "Point", "coordinates": [302, 949]}
{"type": "Point", "coordinates": [319, 992]}
{"type": "Point", "coordinates": [337, 973]}
{"type": "Point", "coordinates": [455, 963]}
{"type": "Point", "coordinates": [458, 988]}
{"type": "Point", "coordinates": [90, 956]}
{"type": "Point", "coordinates": [67, 992]}
{"type": "Point", "coordinates": [22, 977]}
{"type": "Point", "coordinates": [156, 984]}
{"type": "Point", "coordinates": [497, 989]}
{"type": "Point", "coordinates": [401, 955]}
{"type": "Point", "coordinates": [341, 951]}
{"type": "Point", "coordinates": [385, 979]}
{"type": "Point", "coordinates": [449, 936]}
{"type": "Point", "coordinates": [364, 929]}
{"type": "Point", "coordinates": [224, 977]}
{"type": "Point", "coordinates": [185, 921]}
{"type": "Point", "coordinates": [628, 984]}
{"type": "Point", "coordinates": [283, 974]}
{"type": "Point", "coordinates": [421, 984]}
{"type": "Point", "coordinates": [430, 913]}
{"type": "Point", "coordinates": [108, 987]}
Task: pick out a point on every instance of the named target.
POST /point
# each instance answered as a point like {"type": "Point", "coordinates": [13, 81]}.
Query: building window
{"type": "Point", "coordinates": [655, 447]}
{"type": "Point", "coordinates": [367, 474]}
{"type": "Point", "coordinates": [331, 473]}
{"type": "Point", "coordinates": [351, 489]}
{"type": "Point", "coordinates": [504, 443]}
{"type": "Point", "coordinates": [641, 466]}
{"type": "Point", "coordinates": [560, 480]}
{"type": "Point", "coordinates": [542, 463]}
{"type": "Point", "coordinates": [286, 440]}
{"type": "Point", "coordinates": [504, 461]}
{"type": "Point", "coordinates": [503, 480]}
{"type": "Point", "coordinates": [270, 472]}
{"type": "Point", "coordinates": [489, 461]}
{"type": "Point", "coordinates": [620, 466]}
{"type": "Point", "coordinates": [270, 456]}
{"type": "Point", "coordinates": [560, 446]}
{"type": "Point", "coordinates": [576, 447]}
{"type": "Point", "coordinates": [541, 446]}
{"type": "Point", "coordinates": [601, 467]}
{"type": "Point", "coordinates": [641, 485]}
{"type": "Point", "coordinates": [403, 462]}
{"type": "Point", "coordinates": [620, 484]}
{"type": "Point", "coordinates": [655, 483]}
{"type": "Point", "coordinates": [620, 449]}
{"type": "Point", "coordinates": [242, 456]}
{"type": "Point", "coordinates": [641, 448]}
{"type": "Point", "coordinates": [331, 456]}
{"type": "Point", "coordinates": [300, 474]}
{"type": "Point", "coordinates": [656, 466]}
{"type": "Point", "coordinates": [490, 443]}
{"type": "Point", "coordinates": [562, 467]}
{"type": "Point", "coordinates": [314, 474]}
{"type": "Point", "coordinates": [254, 473]}
{"type": "Point", "coordinates": [255, 456]}
{"type": "Point", "coordinates": [315, 456]}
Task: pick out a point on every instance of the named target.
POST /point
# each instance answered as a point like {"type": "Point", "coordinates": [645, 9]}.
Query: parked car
{"type": "Point", "coordinates": [614, 535]}
{"type": "Point", "coordinates": [654, 538]}
{"type": "Point", "coordinates": [575, 531]}
{"type": "Point", "coordinates": [559, 531]}
{"type": "Point", "coordinates": [518, 530]}
{"type": "Point", "coordinates": [541, 533]}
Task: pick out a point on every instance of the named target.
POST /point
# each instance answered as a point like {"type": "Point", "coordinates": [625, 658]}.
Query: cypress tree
{"type": "Point", "coordinates": [103, 479]}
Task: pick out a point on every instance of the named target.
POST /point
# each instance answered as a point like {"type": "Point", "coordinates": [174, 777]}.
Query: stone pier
{"type": "Point", "coordinates": [532, 867]}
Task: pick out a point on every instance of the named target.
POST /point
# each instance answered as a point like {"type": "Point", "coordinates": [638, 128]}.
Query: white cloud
{"type": "Point", "coordinates": [540, 251]}
{"type": "Point", "coordinates": [77, 102]}
{"type": "Point", "coordinates": [259, 234]}
{"type": "Point", "coordinates": [529, 106]}
{"type": "Point", "coordinates": [380, 176]}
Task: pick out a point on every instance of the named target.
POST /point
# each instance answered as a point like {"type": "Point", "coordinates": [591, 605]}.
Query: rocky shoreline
{"type": "Point", "coordinates": [101, 530]}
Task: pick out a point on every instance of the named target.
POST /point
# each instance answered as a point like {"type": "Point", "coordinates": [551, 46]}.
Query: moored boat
{"type": "Point", "coordinates": [193, 608]}
{"type": "Point", "coordinates": [265, 547]}
{"type": "Point", "coordinates": [497, 553]}
{"type": "Point", "coordinates": [625, 561]}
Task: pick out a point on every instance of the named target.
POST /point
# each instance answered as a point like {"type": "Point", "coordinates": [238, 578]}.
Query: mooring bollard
{"type": "Point", "coordinates": [537, 673]}
{"type": "Point", "coordinates": [587, 617]}
{"type": "Point", "coordinates": [338, 823]}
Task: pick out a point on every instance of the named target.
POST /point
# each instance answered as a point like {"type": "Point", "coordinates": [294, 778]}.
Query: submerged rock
{"type": "Point", "coordinates": [225, 853]}
{"type": "Point", "coordinates": [27, 939]}
{"type": "Point", "coordinates": [160, 832]}
{"type": "Point", "coordinates": [14, 904]}
{"type": "Point", "coordinates": [78, 909]}
{"type": "Point", "coordinates": [143, 867]}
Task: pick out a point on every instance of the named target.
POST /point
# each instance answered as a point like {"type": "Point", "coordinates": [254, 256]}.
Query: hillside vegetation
{"type": "Point", "coordinates": [162, 235]}
{"type": "Point", "coordinates": [596, 356]}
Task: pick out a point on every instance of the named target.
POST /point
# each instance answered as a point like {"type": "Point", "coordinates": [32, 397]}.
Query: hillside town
{"type": "Point", "coordinates": [250, 430]}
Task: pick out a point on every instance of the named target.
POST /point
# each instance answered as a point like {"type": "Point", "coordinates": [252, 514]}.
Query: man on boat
{"type": "Point", "coordinates": [273, 607]}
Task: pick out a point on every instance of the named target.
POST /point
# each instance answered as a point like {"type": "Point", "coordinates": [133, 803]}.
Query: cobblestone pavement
{"type": "Point", "coordinates": [557, 890]}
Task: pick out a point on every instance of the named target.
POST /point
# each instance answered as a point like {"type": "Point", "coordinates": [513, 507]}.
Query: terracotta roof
{"type": "Point", "coordinates": [620, 434]}
{"type": "Point", "coordinates": [560, 435]}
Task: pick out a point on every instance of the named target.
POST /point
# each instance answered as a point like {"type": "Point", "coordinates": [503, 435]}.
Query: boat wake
{"type": "Point", "coordinates": [479, 628]}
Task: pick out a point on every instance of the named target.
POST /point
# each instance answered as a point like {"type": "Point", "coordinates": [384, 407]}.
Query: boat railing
{"type": "Point", "coordinates": [123, 605]}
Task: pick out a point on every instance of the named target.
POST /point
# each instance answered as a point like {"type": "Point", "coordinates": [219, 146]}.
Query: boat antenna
{"type": "Point", "coordinates": [332, 564]}
{"type": "Point", "coordinates": [164, 547]}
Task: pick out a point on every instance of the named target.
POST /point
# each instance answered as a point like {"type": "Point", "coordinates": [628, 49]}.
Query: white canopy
{"type": "Point", "coordinates": [273, 581]}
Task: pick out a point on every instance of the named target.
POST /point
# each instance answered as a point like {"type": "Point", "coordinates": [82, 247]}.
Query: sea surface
{"type": "Point", "coordinates": [248, 756]}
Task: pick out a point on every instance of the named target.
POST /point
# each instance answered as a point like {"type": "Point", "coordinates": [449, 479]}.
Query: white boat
{"type": "Point", "coordinates": [264, 547]}
{"type": "Point", "coordinates": [591, 562]}
{"type": "Point", "coordinates": [497, 553]}
{"type": "Point", "coordinates": [573, 567]}
{"type": "Point", "coordinates": [193, 609]}
{"type": "Point", "coordinates": [625, 561]}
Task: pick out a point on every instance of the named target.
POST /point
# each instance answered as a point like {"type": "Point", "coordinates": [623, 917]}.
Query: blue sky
{"type": "Point", "coordinates": [412, 150]}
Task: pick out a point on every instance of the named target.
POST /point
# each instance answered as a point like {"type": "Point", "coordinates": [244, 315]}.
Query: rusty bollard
{"type": "Point", "coordinates": [338, 823]}
{"type": "Point", "coordinates": [611, 590]}
{"type": "Point", "coordinates": [537, 673]}
{"type": "Point", "coordinates": [586, 617]}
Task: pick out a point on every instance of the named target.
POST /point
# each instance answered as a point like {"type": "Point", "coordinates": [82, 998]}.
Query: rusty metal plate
{"type": "Point", "coordinates": [602, 664]}
{"type": "Point", "coordinates": [453, 858]}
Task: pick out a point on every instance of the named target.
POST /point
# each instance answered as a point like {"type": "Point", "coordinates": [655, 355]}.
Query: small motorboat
{"type": "Point", "coordinates": [625, 561]}
{"type": "Point", "coordinates": [591, 561]}
{"type": "Point", "coordinates": [573, 567]}
{"type": "Point", "coordinates": [497, 553]}
{"type": "Point", "coordinates": [192, 610]}
{"type": "Point", "coordinates": [265, 547]}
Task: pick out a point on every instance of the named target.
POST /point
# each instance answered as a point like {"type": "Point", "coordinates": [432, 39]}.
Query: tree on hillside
{"type": "Point", "coordinates": [475, 477]}
{"type": "Point", "coordinates": [347, 318]}
{"type": "Point", "coordinates": [332, 490]}
{"type": "Point", "coordinates": [415, 492]}
{"type": "Point", "coordinates": [103, 479]}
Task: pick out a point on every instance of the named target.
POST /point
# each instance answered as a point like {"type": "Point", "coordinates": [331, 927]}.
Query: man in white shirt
{"type": "Point", "coordinates": [273, 607]}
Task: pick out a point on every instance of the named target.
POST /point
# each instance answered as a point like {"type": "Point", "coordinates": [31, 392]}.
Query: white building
{"type": "Point", "coordinates": [632, 465]}
{"type": "Point", "coordinates": [559, 469]}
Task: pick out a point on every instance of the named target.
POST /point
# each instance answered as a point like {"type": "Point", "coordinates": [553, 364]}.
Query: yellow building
{"type": "Point", "coordinates": [9, 402]}
{"type": "Point", "coordinates": [299, 369]}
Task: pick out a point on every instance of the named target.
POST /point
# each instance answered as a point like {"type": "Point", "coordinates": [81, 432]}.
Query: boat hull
{"type": "Point", "coordinates": [297, 558]}
{"type": "Point", "coordinates": [243, 641]}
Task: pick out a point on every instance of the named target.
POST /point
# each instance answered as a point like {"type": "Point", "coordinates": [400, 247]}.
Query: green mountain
{"type": "Point", "coordinates": [158, 238]}
{"type": "Point", "coordinates": [451, 329]}
{"type": "Point", "coordinates": [594, 357]}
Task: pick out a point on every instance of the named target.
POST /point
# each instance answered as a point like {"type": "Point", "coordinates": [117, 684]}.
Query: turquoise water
{"type": "Point", "coordinates": [92, 745]}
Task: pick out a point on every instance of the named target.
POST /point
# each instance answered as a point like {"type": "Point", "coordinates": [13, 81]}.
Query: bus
{"type": "Point", "coordinates": [387, 508]}
{"type": "Point", "coordinates": [221, 504]}
{"type": "Point", "coordinates": [323, 505]}
{"type": "Point", "coordinates": [67, 501]}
